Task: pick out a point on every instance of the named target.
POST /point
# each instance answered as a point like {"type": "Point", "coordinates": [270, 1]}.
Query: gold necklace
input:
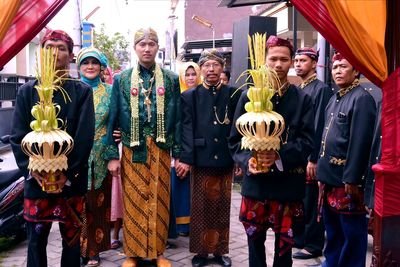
{"type": "Point", "coordinates": [226, 119]}
{"type": "Point", "coordinates": [146, 93]}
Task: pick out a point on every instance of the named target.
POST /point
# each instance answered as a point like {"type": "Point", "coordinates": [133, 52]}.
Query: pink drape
{"type": "Point", "coordinates": [387, 182]}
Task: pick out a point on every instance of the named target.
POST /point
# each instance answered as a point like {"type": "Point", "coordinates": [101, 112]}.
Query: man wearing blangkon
{"type": "Point", "coordinates": [273, 199]}
{"type": "Point", "coordinates": [145, 105]}
{"type": "Point", "coordinates": [65, 206]}
{"type": "Point", "coordinates": [345, 147]}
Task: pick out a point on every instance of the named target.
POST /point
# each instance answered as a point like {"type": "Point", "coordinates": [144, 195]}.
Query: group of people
{"type": "Point", "coordinates": [178, 147]}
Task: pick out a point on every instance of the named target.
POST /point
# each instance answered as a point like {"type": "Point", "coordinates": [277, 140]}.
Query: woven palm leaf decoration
{"type": "Point", "coordinates": [47, 145]}
{"type": "Point", "coordinates": [260, 126]}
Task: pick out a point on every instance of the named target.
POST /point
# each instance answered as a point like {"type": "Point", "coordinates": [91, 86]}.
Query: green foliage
{"type": "Point", "coordinates": [114, 47]}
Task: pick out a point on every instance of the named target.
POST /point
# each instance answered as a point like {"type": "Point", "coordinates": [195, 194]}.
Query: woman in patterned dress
{"type": "Point", "coordinates": [96, 228]}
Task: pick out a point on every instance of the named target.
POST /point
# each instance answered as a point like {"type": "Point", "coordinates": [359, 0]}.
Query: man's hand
{"type": "Point", "coordinates": [117, 136]}
{"type": "Point", "coordinates": [114, 167]}
{"type": "Point", "coordinates": [265, 158]}
{"type": "Point", "coordinates": [312, 170]}
{"type": "Point", "coordinates": [39, 177]}
{"type": "Point", "coordinates": [182, 169]}
{"type": "Point", "coordinates": [237, 171]}
{"type": "Point", "coordinates": [351, 189]}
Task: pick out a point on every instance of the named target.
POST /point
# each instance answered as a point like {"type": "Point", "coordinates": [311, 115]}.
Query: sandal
{"type": "Point", "coordinates": [116, 244]}
{"type": "Point", "coordinates": [94, 261]}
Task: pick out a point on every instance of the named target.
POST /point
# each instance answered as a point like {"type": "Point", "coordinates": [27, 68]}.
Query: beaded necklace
{"type": "Point", "coordinates": [137, 82]}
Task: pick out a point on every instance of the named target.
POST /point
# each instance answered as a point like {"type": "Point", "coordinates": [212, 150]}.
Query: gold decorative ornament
{"type": "Point", "coordinates": [260, 126]}
{"type": "Point", "coordinates": [47, 145]}
{"type": "Point", "coordinates": [136, 89]}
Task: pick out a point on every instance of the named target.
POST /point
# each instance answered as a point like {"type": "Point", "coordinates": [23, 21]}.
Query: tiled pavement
{"type": "Point", "coordinates": [180, 256]}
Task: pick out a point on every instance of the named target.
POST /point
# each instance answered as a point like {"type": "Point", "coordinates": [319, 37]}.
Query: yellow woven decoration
{"type": "Point", "coordinates": [47, 145]}
{"type": "Point", "coordinates": [260, 126]}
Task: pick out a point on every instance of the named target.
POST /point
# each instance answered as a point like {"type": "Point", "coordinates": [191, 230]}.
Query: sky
{"type": "Point", "coordinates": [126, 16]}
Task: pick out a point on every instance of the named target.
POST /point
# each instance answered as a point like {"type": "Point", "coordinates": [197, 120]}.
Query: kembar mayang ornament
{"type": "Point", "coordinates": [260, 126]}
{"type": "Point", "coordinates": [47, 145]}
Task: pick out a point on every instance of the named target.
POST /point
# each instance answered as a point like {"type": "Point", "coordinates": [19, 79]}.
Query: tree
{"type": "Point", "coordinates": [114, 47]}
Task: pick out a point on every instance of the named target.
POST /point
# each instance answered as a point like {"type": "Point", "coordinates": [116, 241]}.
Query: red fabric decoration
{"type": "Point", "coordinates": [32, 16]}
{"type": "Point", "coordinates": [276, 41]}
{"type": "Point", "coordinates": [337, 56]}
{"type": "Point", "coordinates": [308, 51]}
{"type": "Point", "coordinates": [316, 13]}
{"type": "Point", "coordinates": [387, 181]}
{"type": "Point", "coordinates": [58, 35]}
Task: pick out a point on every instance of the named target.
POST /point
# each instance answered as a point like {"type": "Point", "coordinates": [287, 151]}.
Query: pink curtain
{"type": "Point", "coordinates": [387, 182]}
{"type": "Point", "coordinates": [31, 18]}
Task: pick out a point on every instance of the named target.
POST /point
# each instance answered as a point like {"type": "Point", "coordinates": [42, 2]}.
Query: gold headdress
{"type": "Point", "coordinates": [145, 33]}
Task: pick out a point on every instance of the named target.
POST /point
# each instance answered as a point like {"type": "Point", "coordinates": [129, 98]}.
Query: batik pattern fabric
{"type": "Point", "coordinates": [146, 188]}
{"type": "Point", "coordinates": [101, 101]}
{"type": "Point", "coordinates": [66, 211]}
{"type": "Point", "coordinates": [339, 201]}
{"type": "Point", "coordinates": [258, 216]}
{"type": "Point", "coordinates": [210, 210]}
{"type": "Point", "coordinates": [96, 228]}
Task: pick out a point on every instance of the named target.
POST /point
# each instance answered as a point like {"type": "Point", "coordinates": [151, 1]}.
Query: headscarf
{"type": "Point", "coordinates": [212, 54]}
{"type": "Point", "coordinates": [311, 53]}
{"type": "Point", "coordinates": [58, 35]}
{"type": "Point", "coordinates": [145, 33]}
{"type": "Point", "coordinates": [182, 73]}
{"type": "Point", "coordinates": [110, 74]}
{"type": "Point", "coordinates": [95, 53]}
{"type": "Point", "coordinates": [276, 41]}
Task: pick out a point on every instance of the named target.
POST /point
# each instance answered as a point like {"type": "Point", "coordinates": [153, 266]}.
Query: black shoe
{"type": "Point", "coordinates": [305, 256]}
{"type": "Point", "coordinates": [199, 261]}
{"type": "Point", "coordinates": [170, 245]}
{"type": "Point", "coordinates": [223, 260]}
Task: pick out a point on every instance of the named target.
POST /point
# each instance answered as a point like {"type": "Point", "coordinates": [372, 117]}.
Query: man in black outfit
{"type": "Point", "coordinates": [66, 205]}
{"type": "Point", "coordinates": [310, 234]}
{"type": "Point", "coordinates": [273, 199]}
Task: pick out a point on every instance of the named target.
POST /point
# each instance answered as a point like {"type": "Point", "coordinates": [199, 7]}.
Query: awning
{"type": "Point", "coordinates": [237, 3]}
{"type": "Point", "coordinates": [207, 44]}
{"type": "Point", "coordinates": [32, 17]}
{"type": "Point", "coordinates": [189, 55]}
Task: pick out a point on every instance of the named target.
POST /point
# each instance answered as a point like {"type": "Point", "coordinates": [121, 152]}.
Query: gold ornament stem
{"type": "Point", "coordinates": [51, 178]}
{"type": "Point", "coordinates": [259, 167]}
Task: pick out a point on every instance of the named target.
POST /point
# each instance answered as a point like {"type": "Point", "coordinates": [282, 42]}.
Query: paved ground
{"type": "Point", "coordinates": [180, 255]}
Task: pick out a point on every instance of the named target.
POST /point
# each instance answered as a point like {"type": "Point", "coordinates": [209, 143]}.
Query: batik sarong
{"type": "Point", "coordinates": [258, 216]}
{"type": "Point", "coordinates": [96, 220]}
{"type": "Point", "coordinates": [210, 210]}
{"type": "Point", "coordinates": [146, 188]}
{"type": "Point", "coordinates": [66, 211]}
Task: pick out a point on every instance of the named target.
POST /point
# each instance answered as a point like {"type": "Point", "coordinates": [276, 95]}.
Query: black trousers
{"type": "Point", "coordinates": [38, 234]}
{"type": "Point", "coordinates": [257, 256]}
{"type": "Point", "coordinates": [310, 233]}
